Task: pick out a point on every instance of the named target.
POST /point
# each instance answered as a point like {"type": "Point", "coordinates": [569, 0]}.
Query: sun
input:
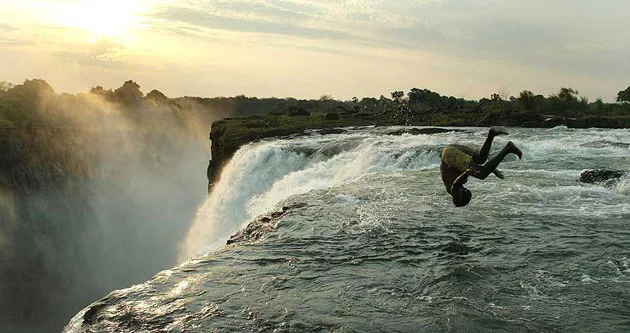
{"type": "Point", "coordinates": [102, 19]}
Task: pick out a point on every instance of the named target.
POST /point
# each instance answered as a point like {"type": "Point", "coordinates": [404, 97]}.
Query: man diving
{"type": "Point", "coordinates": [459, 162]}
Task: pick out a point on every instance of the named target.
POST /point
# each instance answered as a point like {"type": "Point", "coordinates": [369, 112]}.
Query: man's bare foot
{"type": "Point", "coordinates": [514, 150]}
{"type": "Point", "coordinates": [498, 130]}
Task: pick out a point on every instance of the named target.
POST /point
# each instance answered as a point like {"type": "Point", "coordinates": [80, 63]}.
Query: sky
{"type": "Point", "coordinates": [308, 48]}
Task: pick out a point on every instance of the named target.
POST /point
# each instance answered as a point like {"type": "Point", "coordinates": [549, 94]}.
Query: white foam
{"type": "Point", "coordinates": [262, 175]}
{"type": "Point", "coordinates": [346, 198]}
{"type": "Point", "coordinates": [253, 169]}
{"type": "Point", "coordinates": [587, 279]}
{"type": "Point", "coordinates": [622, 186]}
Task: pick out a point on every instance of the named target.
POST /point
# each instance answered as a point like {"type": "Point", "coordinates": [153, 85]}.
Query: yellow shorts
{"type": "Point", "coordinates": [456, 158]}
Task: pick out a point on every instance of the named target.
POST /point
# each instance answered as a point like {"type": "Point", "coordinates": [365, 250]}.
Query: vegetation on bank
{"type": "Point", "coordinates": [418, 107]}
{"type": "Point", "coordinates": [424, 107]}
{"type": "Point", "coordinates": [48, 139]}
{"type": "Point", "coordinates": [35, 102]}
{"type": "Point", "coordinates": [30, 110]}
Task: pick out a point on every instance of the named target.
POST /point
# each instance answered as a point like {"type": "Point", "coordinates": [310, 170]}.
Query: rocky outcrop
{"type": "Point", "coordinates": [262, 225]}
{"type": "Point", "coordinates": [598, 176]}
{"type": "Point", "coordinates": [326, 131]}
{"type": "Point", "coordinates": [513, 118]}
{"type": "Point", "coordinates": [585, 122]}
{"type": "Point", "coordinates": [225, 141]}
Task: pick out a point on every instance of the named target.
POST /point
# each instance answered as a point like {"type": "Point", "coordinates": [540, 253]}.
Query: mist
{"type": "Point", "coordinates": [95, 196]}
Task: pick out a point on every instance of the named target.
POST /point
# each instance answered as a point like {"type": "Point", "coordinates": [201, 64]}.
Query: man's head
{"type": "Point", "coordinates": [461, 196]}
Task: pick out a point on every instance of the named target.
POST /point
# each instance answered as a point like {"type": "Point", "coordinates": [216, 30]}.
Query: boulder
{"type": "Point", "coordinates": [325, 131]}
{"type": "Point", "coordinates": [597, 176]}
{"type": "Point", "coordinates": [262, 225]}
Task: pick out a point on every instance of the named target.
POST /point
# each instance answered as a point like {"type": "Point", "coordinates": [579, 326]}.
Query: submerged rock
{"type": "Point", "coordinates": [456, 247]}
{"type": "Point", "coordinates": [604, 143]}
{"type": "Point", "coordinates": [262, 225]}
{"type": "Point", "coordinates": [597, 176]}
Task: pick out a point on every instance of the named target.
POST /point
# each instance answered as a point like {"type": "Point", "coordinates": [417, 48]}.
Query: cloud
{"type": "Point", "coordinates": [522, 32]}
{"type": "Point", "coordinates": [348, 20]}
{"type": "Point", "coordinates": [104, 54]}
{"type": "Point", "coordinates": [9, 37]}
{"type": "Point", "coordinates": [183, 19]}
{"type": "Point", "coordinates": [568, 42]}
{"type": "Point", "coordinates": [9, 42]}
{"type": "Point", "coordinates": [6, 27]}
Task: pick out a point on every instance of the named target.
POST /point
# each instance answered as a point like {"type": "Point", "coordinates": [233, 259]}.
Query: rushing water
{"type": "Point", "coordinates": [369, 241]}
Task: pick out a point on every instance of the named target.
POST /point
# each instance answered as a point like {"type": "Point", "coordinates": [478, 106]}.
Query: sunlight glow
{"type": "Point", "coordinates": [102, 19]}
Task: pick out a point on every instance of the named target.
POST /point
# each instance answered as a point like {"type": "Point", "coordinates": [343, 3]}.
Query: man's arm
{"type": "Point", "coordinates": [461, 180]}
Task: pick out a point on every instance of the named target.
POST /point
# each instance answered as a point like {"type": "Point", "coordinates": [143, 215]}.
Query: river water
{"type": "Point", "coordinates": [364, 238]}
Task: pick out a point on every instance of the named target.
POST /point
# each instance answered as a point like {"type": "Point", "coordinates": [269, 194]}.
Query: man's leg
{"type": "Point", "coordinates": [482, 156]}
{"type": "Point", "coordinates": [482, 171]}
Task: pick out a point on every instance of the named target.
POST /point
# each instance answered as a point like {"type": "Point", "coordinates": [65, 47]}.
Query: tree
{"type": "Point", "coordinates": [624, 96]}
{"type": "Point", "coordinates": [30, 90]}
{"type": "Point", "coordinates": [568, 94]}
{"type": "Point", "coordinates": [108, 95]}
{"type": "Point", "coordinates": [24, 101]}
{"type": "Point", "coordinates": [527, 99]}
{"type": "Point", "coordinates": [398, 96]}
{"type": "Point", "coordinates": [325, 98]}
{"type": "Point", "coordinates": [599, 105]}
{"type": "Point", "coordinates": [156, 97]}
{"type": "Point", "coordinates": [4, 86]}
{"type": "Point", "coordinates": [504, 94]}
{"type": "Point", "coordinates": [567, 100]}
{"type": "Point", "coordinates": [423, 96]}
{"type": "Point", "coordinates": [129, 93]}
{"type": "Point", "coordinates": [38, 86]}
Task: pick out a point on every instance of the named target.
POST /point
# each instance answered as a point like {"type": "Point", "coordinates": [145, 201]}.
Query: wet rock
{"type": "Point", "coordinates": [91, 316]}
{"type": "Point", "coordinates": [262, 225]}
{"type": "Point", "coordinates": [513, 118]}
{"type": "Point", "coordinates": [597, 176]}
{"type": "Point", "coordinates": [254, 230]}
{"type": "Point", "coordinates": [604, 144]}
{"type": "Point", "coordinates": [326, 131]}
{"type": "Point", "coordinates": [293, 206]}
{"type": "Point", "coordinates": [456, 247]}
